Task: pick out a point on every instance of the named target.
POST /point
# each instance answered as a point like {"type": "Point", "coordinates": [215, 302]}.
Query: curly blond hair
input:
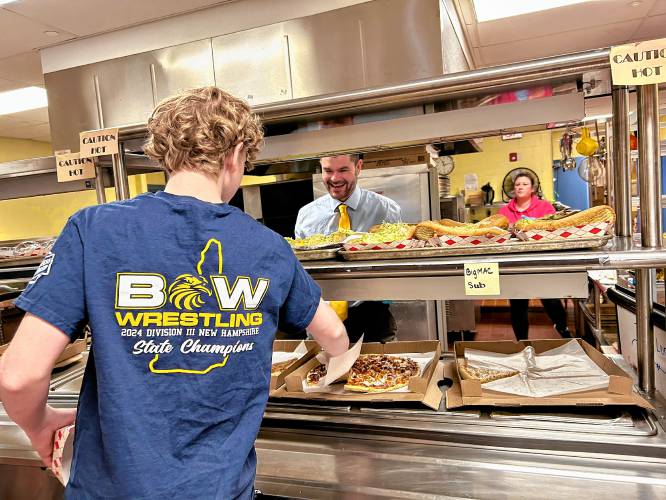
{"type": "Point", "coordinates": [198, 128]}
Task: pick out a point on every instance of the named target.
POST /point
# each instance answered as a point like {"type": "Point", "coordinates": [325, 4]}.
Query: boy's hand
{"type": "Point", "coordinates": [42, 438]}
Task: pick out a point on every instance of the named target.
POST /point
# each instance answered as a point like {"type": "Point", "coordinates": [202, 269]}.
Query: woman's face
{"type": "Point", "coordinates": [523, 187]}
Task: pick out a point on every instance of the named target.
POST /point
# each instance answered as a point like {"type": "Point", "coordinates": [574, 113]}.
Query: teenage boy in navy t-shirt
{"type": "Point", "coordinates": [183, 294]}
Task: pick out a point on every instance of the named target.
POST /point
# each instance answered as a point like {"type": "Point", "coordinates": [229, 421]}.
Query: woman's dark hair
{"type": "Point", "coordinates": [533, 179]}
{"type": "Point", "coordinates": [525, 173]}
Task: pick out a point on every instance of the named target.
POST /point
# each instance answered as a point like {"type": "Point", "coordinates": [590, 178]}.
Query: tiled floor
{"type": "Point", "coordinates": [495, 321]}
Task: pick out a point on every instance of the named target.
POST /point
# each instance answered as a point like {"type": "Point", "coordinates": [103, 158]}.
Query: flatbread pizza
{"type": "Point", "coordinates": [372, 373]}
{"type": "Point", "coordinates": [380, 373]}
{"type": "Point", "coordinates": [483, 375]}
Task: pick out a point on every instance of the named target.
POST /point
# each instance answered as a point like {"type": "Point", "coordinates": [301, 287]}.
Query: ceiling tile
{"type": "Point", "coordinates": [551, 45]}
{"type": "Point", "coordinates": [9, 124]}
{"type": "Point", "coordinates": [9, 85]}
{"type": "Point", "coordinates": [563, 19]}
{"type": "Point", "coordinates": [104, 15]}
{"type": "Point", "coordinates": [27, 132]}
{"type": "Point", "coordinates": [40, 115]}
{"type": "Point", "coordinates": [25, 68]}
{"type": "Point", "coordinates": [659, 7]}
{"type": "Point", "coordinates": [20, 34]}
{"type": "Point", "coordinates": [652, 27]}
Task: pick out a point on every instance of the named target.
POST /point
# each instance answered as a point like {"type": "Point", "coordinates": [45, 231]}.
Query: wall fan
{"type": "Point", "coordinates": [507, 183]}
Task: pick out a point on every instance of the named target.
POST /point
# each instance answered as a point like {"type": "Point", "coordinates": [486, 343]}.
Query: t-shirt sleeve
{"type": "Point", "coordinates": [55, 293]}
{"type": "Point", "coordinates": [302, 299]}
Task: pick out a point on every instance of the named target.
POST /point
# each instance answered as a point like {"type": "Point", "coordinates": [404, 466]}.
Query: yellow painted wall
{"type": "Point", "coordinates": [20, 149]}
{"type": "Point", "coordinates": [46, 215]}
{"type": "Point", "coordinates": [492, 164]}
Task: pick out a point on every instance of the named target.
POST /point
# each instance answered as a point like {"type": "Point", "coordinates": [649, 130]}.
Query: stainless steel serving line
{"type": "Point", "coordinates": [352, 451]}
{"type": "Point", "coordinates": [618, 254]}
{"type": "Point", "coordinates": [555, 274]}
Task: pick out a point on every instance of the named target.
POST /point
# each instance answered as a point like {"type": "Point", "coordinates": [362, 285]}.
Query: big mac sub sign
{"type": "Point", "coordinates": [639, 63]}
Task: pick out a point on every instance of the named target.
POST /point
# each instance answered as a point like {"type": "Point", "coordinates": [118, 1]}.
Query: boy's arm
{"type": "Point", "coordinates": [328, 330]}
{"type": "Point", "coordinates": [25, 376]}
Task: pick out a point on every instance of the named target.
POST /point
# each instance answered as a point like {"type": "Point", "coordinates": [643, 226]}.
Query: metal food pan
{"type": "Point", "coordinates": [319, 254]}
{"type": "Point", "coordinates": [494, 248]}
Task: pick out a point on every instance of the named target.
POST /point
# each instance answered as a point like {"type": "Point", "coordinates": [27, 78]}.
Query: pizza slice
{"type": "Point", "coordinates": [276, 368]}
{"type": "Point", "coordinates": [380, 373]}
{"type": "Point", "coordinates": [315, 375]}
{"type": "Point", "coordinates": [483, 375]}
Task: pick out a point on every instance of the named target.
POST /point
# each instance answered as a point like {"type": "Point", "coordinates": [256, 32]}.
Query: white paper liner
{"type": "Point", "coordinates": [281, 356]}
{"type": "Point", "coordinates": [564, 370]}
{"type": "Point", "coordinates": [61, 461]}
{"type": "Point", "coordinates": [421, 358]}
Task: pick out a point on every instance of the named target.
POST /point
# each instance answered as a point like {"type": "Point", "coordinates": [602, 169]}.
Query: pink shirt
{"type": "Point", "coordinates": [537, 208]}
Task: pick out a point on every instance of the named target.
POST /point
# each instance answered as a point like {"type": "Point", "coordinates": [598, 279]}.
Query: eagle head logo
{"type": "Point", "coordinates": [187, 290]}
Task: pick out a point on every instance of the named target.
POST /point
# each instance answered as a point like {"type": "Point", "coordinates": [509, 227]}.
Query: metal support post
{"type": "Point", "coordinates": [649, 176]}
{"type": "Point", "coordinates": [621, 161]}
{"type": "Point", "coordinates": [99, 184]}
{"type": "Point", "coordinates": [120, 174]}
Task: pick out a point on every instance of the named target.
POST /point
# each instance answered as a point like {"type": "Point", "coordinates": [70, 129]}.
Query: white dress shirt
{"type": "Point", "coordinates": [365, 209]}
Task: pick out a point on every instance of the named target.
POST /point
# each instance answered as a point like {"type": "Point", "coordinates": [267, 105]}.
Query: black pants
{"type": "Point", "coordinates": [372, 319]}
{"type": "Point", "coordinates": [520, 321]}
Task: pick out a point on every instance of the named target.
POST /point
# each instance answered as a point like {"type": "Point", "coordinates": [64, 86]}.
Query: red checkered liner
{"type": "Point", "coordinates": [449, 240]}
{"type": "Point", "coordinates": [63, 440]}
{"type": "Point", "coordinates": [598, 230]}
{"type": "Point", "coordinates": [355, 245]}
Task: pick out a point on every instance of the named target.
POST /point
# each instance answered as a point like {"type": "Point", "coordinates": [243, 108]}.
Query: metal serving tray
{"type": "Point", "coordinates": [318, 254]}
{"type": "Point", "coordinates": [493, 248]}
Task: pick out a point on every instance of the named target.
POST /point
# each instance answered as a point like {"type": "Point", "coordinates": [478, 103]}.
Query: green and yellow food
{"type": "Point", "coordinates": [319, 239]}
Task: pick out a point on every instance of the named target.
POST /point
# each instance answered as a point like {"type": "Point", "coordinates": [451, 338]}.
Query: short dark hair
{"type": "Point", "coordinates": [528, 174]}
{"type": "Point", "coordinates": [354, 157]}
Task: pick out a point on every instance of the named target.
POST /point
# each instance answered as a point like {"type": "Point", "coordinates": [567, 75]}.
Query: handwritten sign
{"type": "Point", "coordinates": [482, 279]}
{"type": "Point", "coordinates": [639, 63]}
{"type": "Point", "coordinates": [98, 142]}
{"type": "Point", "coordinates": [71, 167]}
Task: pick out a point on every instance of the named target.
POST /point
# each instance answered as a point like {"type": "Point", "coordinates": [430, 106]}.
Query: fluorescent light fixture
{"type": "Point", "coordinates": [15, 101]}
{"type": "Point", "coordinates": [490, 10]}
{"type": "Point", "coordinates": [3, 2]}
{"type": "Point", "coordinates": [598, 117]}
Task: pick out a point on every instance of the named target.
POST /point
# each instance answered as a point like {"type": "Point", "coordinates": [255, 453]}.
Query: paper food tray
{"type": "Point", "coordinates": [298, 351]}
{"type": "Point", "coordinates": [598, 229]}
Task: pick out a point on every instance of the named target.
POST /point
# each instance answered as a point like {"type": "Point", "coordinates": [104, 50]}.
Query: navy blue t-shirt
{"type": "Point", "coordinates": [183, 298]}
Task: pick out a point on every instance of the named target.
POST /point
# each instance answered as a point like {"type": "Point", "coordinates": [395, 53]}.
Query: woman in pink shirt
{"type": "Point", "coordinates": [526, 203]}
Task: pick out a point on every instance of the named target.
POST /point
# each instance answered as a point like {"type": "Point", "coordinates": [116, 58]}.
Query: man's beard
{"type": "Point", "coordinates": [348, 190]}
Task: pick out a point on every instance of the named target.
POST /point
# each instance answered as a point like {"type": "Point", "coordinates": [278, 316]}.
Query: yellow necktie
{"type": "Point", "coordinates": [344, 218]}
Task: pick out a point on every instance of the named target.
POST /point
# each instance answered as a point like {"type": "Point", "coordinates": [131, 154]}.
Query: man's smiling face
{"type": "Point", "coordinates": [340, 175]}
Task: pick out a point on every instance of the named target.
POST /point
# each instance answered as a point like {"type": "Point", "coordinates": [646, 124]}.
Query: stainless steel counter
{"type": "Point", "coordinates": [620, 253]}
{"type": "Point", "coordinates": [554, 274]}
{"type": "Point", "coordinates": [350, 451]}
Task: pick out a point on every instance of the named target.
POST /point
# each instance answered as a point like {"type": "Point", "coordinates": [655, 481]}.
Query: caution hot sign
{"type": "Point", "coordinates": [639, 63]}
{"type": "Point", "coordinates": [98, 142]}
{"type": "Point", "coordinates": [71, 167]}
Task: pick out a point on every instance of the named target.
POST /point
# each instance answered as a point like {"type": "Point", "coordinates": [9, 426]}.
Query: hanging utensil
{"type": "Point", "coordinates": [566, 145]}
{"type": "Point", "coordinates": [587, 146]}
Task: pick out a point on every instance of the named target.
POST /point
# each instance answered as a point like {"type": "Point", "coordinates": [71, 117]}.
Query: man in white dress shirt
{"type": "Point", "coordinates": [347, 206]}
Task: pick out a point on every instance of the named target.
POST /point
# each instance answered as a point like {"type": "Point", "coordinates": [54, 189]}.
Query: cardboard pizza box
{"type": "Point", "coordinates": [289, 346]}
{"type": "Point", "coordinates": [620, 389]}
{"type": "Point", "coordinates": [423, 389]}
{"type": "Point", "coordinates": [72, 350]}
